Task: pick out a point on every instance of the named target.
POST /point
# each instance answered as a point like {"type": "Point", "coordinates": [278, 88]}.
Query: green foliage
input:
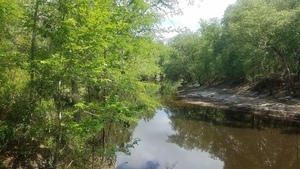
{"type": "Point", "coordinates": [70, 70]}
{"type": "Point", "coordinates": [169, 87]}
{"type": "Point", "coordinates": [129, 145]}
{"type": "Point", "coordinates": [255, 40]}
{"type": "Point", "coordinates": [179, 65]}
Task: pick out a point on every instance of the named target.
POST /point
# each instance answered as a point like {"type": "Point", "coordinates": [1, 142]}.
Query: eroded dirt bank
{"type": "Point", "coordinates": [244, 100]}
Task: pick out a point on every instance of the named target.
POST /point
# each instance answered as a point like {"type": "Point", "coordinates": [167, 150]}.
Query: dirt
{"type": "Point", "coordinates": [243, 99]}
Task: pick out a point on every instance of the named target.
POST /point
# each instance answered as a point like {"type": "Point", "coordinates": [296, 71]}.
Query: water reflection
{"type": "Point", "coordinates": [195, 137]}
{"type": "Point", "coordinates": [229, 137]}
{"type": "Point", "coordinates": [155, 152]}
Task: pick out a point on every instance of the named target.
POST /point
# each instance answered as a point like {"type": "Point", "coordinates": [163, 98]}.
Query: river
{"type": "Point", "coordinates": [190, 137]}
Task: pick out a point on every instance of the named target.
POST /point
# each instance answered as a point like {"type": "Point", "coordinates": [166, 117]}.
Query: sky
{"type": "Point", "coordinates": [192, 14]}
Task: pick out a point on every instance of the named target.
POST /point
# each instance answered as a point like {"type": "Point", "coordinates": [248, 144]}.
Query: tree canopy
{"type": "Point", "coordinates": [72, 74]}
{"type": "Point", "coordinates": [256, 40]}
{"type": "Point", "coordinates": [75, 74]}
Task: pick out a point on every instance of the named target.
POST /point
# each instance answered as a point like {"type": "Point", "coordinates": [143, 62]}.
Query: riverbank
{"type": "Point", "coordinates": [243, 99]}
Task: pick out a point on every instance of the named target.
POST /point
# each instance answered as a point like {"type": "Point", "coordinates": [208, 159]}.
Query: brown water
{"type": "Point", "coordinates": [192, 137]}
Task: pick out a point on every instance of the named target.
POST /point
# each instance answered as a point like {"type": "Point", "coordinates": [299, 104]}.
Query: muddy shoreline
{"type": "Point", "coordinates": [243, 99]}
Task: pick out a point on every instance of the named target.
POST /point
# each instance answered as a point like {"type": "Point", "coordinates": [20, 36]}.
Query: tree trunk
{"type": "Point", "coordinates": [298, 67]}
{"type": "Point", "coordinates": [33, 41]}
{"type": "Point", "coordinates": [31, 62]}
{"type": "Point", "coordinates": [289, 79]}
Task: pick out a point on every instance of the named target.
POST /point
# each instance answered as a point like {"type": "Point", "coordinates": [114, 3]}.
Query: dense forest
{"type": "Point", "coordinates": [75, 75]}
{"type": "Point", "coordinates": [256, 41]}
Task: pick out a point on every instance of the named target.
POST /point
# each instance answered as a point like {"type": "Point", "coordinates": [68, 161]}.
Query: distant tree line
{"type": "Point", "coordinates": [255, 41]}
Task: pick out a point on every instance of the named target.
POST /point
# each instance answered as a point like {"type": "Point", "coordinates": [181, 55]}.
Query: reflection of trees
{"type": "Point", "coordinates": [232, 139]}
{"type": "Point", "coordinates": [101, 147]}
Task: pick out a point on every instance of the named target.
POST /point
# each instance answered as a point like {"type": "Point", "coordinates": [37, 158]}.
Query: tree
{"type": "Point", "coordinates": [261, 26]}
{"type": "Point", "coordinates": [83, 71]}
{"type": "Point", "coordinates": [178, 65]}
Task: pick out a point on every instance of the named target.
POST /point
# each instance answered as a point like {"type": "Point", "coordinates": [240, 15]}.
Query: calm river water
{"type": "Point", "coordinates": [192, 137]}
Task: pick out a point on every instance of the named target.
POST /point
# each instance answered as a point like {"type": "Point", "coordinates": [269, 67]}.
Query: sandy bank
{"type": "Point", "coordinates": [244, 100]}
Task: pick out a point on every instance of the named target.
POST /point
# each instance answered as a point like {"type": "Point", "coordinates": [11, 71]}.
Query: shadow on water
{"type": "Point", "coordinates": [191, 136]}
{"type": "Point", "coordinates": [230, 118]}
{"type": "Point", "coordinates": [240, 140]}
